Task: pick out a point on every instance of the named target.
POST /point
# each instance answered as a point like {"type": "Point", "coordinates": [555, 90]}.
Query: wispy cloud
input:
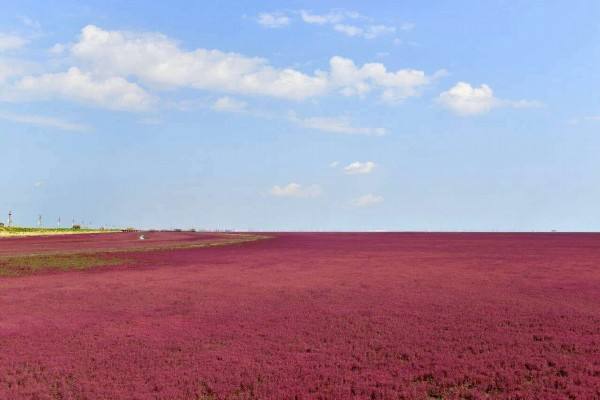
{"type": "Point", "coordinates": [296, 190]}
{"type": "Point", "coordinates": [358, 167]}
{"type": "Point", "coordinates": [348, 30]}
{"type": "Point", "coordinates": [407, 26]}
{"type": "Point", "coordinates": [30, 23]}
{"type": "Point", "coordinates": [575, 121]}
{"type": "Point", "coordinates": [351, 23]}
{"type": "Point", "coordinates": [367, 32]}
{"type": "Point", "coordinates": [273, 20]}
{"type": "Point", "coordinates": [44, 122]}
{"type": "Point", "coordinates": [367, 200]}
{"type": "Point", "coordinates": [228, 104]}
{"type": "Point", "coordinates": [342, 125]}
{"type": "Point", "coordinates": [328, 18]}
{"type": "Point", "coordinates": [11, 42]}
{"type": "Point", "coordinates": [335, 125]}
{"type": "Point", "coordinates": [12, 68]}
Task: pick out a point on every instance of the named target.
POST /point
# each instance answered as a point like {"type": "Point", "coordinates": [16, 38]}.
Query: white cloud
{"type": "Point", "coordinates": [44, 122]}
{"type": "Point", "coordinates": [335, 125]}
{"type": "Point", "coordinates": [116, 68]}
{"type": "Point", "coordinates": [337, 20]}
{"type": "Point", "coordinates": [358, 167]}
{"type": "Point", "coordinates": [11, 42]}
{"type": "Point", "coordinates": [113, 92]}
{"type": "Point", "coordinates": [369, 32]}
{"type": "Point", "coordinates": [374, 31]}
{"type": "Point", "coordinates": [11, 68]}
{"type": "Point", "coordinates": [273, 20]}
{"type": "Point", "coordinates": [58, 49]}
{"type": "Point", "coordinates": [465, 100]}
{"type": "Point", "coordinates": [334, 164]}
{"type": "Point", "coordinates": [296, 190]}
{"type": "Point", "coordinates": [367, 200]}
{"type": "Point", "coordinates": [228, 104]}
{"type": "Point", "coordinates": [322, 19]}
{"type": "Point", "coordinates": [395, 85]}
{"type": "Point", "coordinates": [348, 30]}
{"type": "Point", "coordinates": [157, 60]}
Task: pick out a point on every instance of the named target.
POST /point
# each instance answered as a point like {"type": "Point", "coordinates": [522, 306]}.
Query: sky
{"type": "Point", "coordinates": [300, 115]}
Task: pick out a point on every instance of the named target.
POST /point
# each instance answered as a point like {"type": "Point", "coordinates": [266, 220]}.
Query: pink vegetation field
{"type": "Point", "coordinates": [312, 316]}
{"type": "Point", "coordinates": [99, 242]}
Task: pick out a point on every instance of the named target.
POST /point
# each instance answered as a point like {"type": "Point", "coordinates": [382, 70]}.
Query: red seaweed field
{"type": "Point", "coordinates": [309, 316]}
{"type": "Point", "coordinates": [99, 242]}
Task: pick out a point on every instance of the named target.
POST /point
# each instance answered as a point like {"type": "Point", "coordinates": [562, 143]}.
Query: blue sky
{"type": "Point", "coordinates": [441, 115]}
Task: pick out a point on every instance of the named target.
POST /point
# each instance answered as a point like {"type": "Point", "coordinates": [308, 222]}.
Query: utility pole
{"type": "Point", "coordinates": [10, 218]}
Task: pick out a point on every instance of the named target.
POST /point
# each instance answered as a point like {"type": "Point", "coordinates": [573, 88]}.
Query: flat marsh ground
{"type": "Point", "coordinates": [301, 316]}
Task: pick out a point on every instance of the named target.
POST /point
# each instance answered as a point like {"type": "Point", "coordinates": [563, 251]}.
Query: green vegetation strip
{"type": "Point", "coordinates": [27, 265]}
{"type": "Point", "coordinates": [227, 240]}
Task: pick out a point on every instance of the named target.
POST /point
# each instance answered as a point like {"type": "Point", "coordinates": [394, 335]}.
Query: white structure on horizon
{"type": "Point", "coordinates": [10, 218]}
